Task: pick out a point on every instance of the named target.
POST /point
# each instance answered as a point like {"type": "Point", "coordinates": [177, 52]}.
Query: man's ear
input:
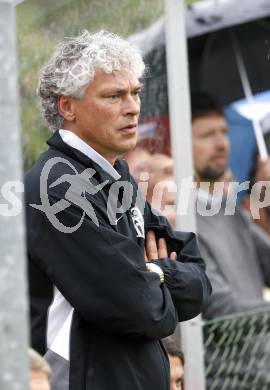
{"type": "Point", "coordinates": [66, 108]}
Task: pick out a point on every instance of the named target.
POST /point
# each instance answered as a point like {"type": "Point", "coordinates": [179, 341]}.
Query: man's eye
{"type": "Point", "coordinates": [206, 135]}
{"type": "Point", "coordinates": [137, 93]}
{"type": "Point", "coordinates": [114, 97]}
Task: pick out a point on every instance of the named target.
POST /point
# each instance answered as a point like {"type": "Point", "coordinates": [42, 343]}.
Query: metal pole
{"type": "Point", "coordinates": [13, 304]}
{"type": "Point", "coordinates": [180, 125]}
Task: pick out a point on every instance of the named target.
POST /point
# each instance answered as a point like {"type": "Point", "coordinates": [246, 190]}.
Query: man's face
{"type": "Point", "coordinates": [138, 162]}
{"type": "Point", "coordinates": [176, 373]}
{"type": "Point", "coordinates": [107, 116]}
{"type": "Point", "coordinates": [210, 147]}
{"type": "Point", "coordinates": [39, 381]}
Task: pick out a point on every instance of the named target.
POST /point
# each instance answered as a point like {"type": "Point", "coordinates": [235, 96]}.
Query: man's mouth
{"type": "Point", "coordinates": [220, 158]}
{"type": "Point", "coordinates": [129, 129]}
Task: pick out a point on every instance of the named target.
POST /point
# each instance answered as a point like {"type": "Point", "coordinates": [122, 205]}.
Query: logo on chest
{"type": "Point", "coordinates": [138, 221]}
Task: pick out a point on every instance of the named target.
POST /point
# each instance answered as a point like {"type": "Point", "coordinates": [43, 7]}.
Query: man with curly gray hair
{"type": "Point", "coordinates": [73, 67]}
{"type": "Point", "coordinates": [102, 294]}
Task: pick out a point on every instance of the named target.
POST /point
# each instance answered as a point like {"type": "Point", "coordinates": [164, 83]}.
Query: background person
{"type": "Point", "coordinates": [235, 249]}
{"type": "Point", "coordinates": [177, 361]}
{"type": "Point", "coordinates": [40, 371]}
{"type": "Point", "coordinates": [159, 168]}
{"type": "Point", "coordinates": [138, 161]}
{"type": "Point", "coordinates": [161, 186]}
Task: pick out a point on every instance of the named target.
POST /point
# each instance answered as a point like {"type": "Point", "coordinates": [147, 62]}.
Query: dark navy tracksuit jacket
{"type": "Point", "coordinates": [97, 314]}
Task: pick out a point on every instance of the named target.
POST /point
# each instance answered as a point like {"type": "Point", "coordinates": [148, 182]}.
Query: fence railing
{"type": "Point", "coordinates": [237, 352]}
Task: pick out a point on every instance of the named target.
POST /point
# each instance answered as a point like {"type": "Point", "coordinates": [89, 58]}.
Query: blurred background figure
{"type": "Point", "coordinates": [161, 192]}
{"type": "Point", "coordinates": [235, 250]}
{"type": "Point", "coordinates": [210, 142]}
{"type": "Point", "coordinates": [40, 371]}
{"type": "Point", "coordinates": [138, 161]}
{"type": "Point", "coordinates": [177, 361]}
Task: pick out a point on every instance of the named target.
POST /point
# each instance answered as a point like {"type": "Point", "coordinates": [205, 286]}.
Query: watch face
{"type": "Point", "coordinates": [155, 268]}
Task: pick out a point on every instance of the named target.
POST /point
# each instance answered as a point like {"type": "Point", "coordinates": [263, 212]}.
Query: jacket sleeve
{"type": "Point", "coordinates": [102, 274]}
{"type": "Point", "coordinates": [185, 278]}
{"type": "Point", "coordinates": [223, 300]}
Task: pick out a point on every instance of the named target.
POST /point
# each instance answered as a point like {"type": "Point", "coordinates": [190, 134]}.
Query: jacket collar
{"type": "Point", "coordinates": [56, 142]}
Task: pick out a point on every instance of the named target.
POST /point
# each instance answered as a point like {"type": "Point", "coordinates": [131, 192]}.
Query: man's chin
{"type": "Point", "coordinates": [126, 147]}
{"type": "Point", "coordinates": [211, 175]}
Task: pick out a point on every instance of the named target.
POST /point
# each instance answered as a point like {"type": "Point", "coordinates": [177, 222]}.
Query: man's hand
{"type": "Point", "coordinates": [154, 251]}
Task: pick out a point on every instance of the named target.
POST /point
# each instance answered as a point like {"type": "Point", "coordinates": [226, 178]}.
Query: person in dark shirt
{"type": "Point", "coordinates": [236, 251]}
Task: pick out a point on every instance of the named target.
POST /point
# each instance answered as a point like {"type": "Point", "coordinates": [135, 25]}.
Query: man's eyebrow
{"type": "Point", "coordinates": [120, 90]}
{"type": "Point", "coordinates": [139, 86]}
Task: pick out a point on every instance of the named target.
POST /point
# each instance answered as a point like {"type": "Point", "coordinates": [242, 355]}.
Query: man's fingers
{"type": "Point", "coordinates": [162, 248]}
{"type": "Point", "coordinates": [145, 255]}
{"type": "Point", "coordinates": [173, 256]}
{"type": "Point", "coordinates": [151, 246]}
{"type": "Point", "coordinates": [154, 251]}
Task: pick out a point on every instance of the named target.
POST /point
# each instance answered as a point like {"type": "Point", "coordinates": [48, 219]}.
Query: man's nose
{"type": "Point", "coordinates": [222, 142]}
{"type": "Point", "coordinates": [132, 105]}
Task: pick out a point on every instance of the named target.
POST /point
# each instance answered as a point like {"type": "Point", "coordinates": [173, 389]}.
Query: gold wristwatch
{"type": "Point", "coordinates": [151, 267]}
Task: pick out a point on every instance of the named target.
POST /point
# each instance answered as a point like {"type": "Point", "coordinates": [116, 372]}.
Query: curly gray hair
{"type": "Point", "coordinates": [73, 64]}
